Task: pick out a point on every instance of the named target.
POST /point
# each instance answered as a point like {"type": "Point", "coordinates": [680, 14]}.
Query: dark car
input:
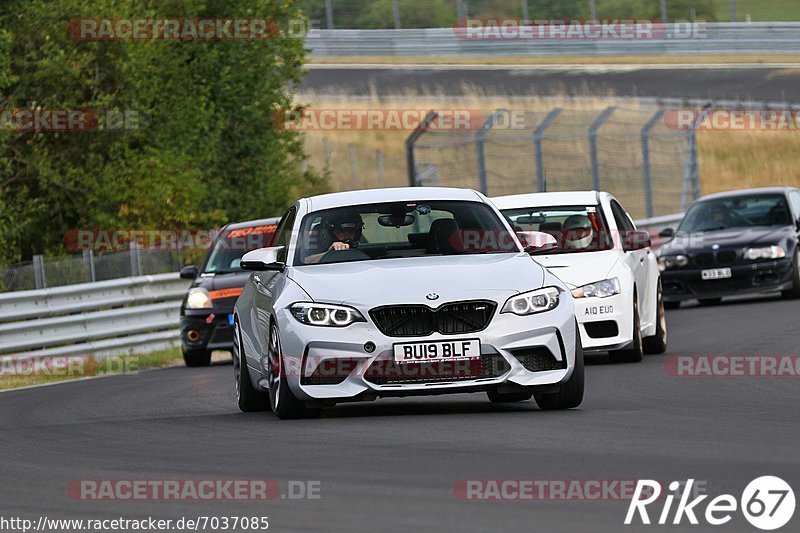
{"type": "Point", "coordinates": [207, 310]}
{"type": "Point", "coordinates": [734, 243]}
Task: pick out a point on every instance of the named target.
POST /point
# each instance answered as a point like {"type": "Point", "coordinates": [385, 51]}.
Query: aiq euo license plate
{"type": "Point", "coordinates": [716, 273]}
{"type": "Point", "coordinates": [417, 352]}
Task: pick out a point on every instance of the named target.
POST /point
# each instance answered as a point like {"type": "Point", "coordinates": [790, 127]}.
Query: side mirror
{"type": "Point", "coordinates": [667, 233]}
{"type": "Point", "coordinates": [635, 240]}
{"type": "Point", "coordinates": [189, 272]}
{"type": "Point", "coordinates": [536, 241]}
{"type": "Point", "coordinates": [263, 259]}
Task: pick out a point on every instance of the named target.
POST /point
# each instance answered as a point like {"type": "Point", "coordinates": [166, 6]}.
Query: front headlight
{"type": "Point", "coordinates": [599, 289]}
{"type": "Point", "coordinates": [198, 298]}
{"type": "Point", "coordinates": [326, 315]}
{"type": "Point", "coordinates": [765, 252]}
{"type": "Point", "coordinates": [672, 261]}
{"type": "Point", "coordinates": [528, 303]}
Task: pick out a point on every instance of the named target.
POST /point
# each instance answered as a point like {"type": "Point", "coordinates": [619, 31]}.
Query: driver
{"type": "Point", "coordinates": [342, 229]}
{"type": "Point", "coordinates": [578, 233]}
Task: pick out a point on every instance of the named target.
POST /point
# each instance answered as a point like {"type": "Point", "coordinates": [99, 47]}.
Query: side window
{"type": "Point", "coordinates": [284, 232]}
{"type": "Point", "coordinates": [794, 199]}
{"type": "Point", "coordinates": [621, 217]}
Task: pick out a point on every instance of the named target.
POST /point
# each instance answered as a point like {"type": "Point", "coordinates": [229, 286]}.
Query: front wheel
{"type": "Point", "coordinates": [635, 353]}
{"type": "Point", "coordinates": [248, 397]}
{"type": "Point", "coordinates": [794, 292]}
{"type": "Point", "coordinates": [571, 393]}
{"type": "Point", "coordinates": [284, 404]}
{"type": "Point", "coordinates": [658, 342]}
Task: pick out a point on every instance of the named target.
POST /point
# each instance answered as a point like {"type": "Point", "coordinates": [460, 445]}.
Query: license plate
{"type": "Point", "coordinates": [418, 352]}
{"type": "Point", "coordinates": [230, 320]}
{"type": "Point", "coordinates": [716, 273]}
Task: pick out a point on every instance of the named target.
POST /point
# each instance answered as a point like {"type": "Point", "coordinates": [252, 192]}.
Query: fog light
{"type": "Point", "coordinates": [193, 335]}
{"type": "Point", "coordinates": [369, 347]}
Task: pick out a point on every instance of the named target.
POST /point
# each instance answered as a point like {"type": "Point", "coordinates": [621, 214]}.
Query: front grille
{"type": "Point", "coordinates": [726, 257]}
{"type": "Point", "coordinates": [420, 320]}
{"type": "Point", "coordinates": [703, 259]}
{"type": "Point", "coordinates": [710, 259]}
{"type": "Point", "coordinates": [538, 359]}
{"type": "Point", "coordinates": [389, 372]}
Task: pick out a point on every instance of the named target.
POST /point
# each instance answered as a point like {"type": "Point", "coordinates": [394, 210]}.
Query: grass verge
{"type": "Point", "coordinates": [15, 373]}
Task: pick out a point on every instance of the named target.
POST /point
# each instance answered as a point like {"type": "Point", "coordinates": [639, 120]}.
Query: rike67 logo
{"type": "Point", "coordinates": [767, 503]}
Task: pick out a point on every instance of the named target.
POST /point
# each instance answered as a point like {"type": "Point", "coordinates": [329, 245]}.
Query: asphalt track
{"type": "Point", "coordinates": [756, 83]}
{"type": "Point", "coordinates": [391, 465]}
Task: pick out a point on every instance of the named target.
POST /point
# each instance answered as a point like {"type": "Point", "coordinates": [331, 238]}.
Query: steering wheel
{"type": "Point", "coordinates": [337, 256]}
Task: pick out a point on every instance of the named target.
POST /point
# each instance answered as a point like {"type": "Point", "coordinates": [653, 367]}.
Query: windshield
{"type": "Point", "coordinates": [401, 229]}
{"type": "Point", "coordinates": [231, 245]}
{"type": "Point", "coordinates": [575, 228]}
{"type": "Point", "coordinates": [737, 212]}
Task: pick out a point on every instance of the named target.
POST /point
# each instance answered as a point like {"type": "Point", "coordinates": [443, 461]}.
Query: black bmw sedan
{"type": "Point", "coordinates": [734, 243]}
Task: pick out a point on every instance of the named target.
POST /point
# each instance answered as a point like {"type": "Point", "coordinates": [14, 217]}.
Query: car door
{"type": "Point", "coordinates": [266, 282]}
{"type": "Point", "coordinates": [637, 261]}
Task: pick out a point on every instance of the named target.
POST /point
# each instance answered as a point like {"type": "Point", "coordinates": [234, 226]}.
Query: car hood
{"type": "Point", "coordinates": [729, 238]}
{"type": "Point", "coordinates": [410, 280]}
{"type": "Point", "coordinates": [578, 269]}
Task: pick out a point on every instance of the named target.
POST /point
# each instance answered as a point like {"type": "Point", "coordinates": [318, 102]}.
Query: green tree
{"type": "Point", "coordinates": [206, 151]}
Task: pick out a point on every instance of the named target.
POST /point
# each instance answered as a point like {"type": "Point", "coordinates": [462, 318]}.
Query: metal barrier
{"type": "Point", "coordinates": [633, 153]}
{"type": "Point", "coordinates": [104, 318]}
{"type": "Point", "coordinates": [676, 38]}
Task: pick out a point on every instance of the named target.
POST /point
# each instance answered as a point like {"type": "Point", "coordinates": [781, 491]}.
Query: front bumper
{"type": "Point", "coordinates": [605, 323]}
{"type": "Point", "coordinates": [199, 333]}
{"type": "Point", "coordinates": [338, 358]}
{"type": "Point", "coordinates": [766, 276]}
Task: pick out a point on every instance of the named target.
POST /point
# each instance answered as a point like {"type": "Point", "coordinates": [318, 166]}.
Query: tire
{"type": "Point", "coordinates": [672, 305]}
{"type": "Point", "coordinates": [248, 397]}
{"type": "Point", "coordinates": [709, 301]}
{"type": "Point", "coordinates": [658, 342]}
{"type": "Point", "coordinates": [794, 292]}
{"type": "Point", "coordinates": [508, 397]}
{"type": "Point", "coordinates": [283, 403]}
{"type": "Point", "coordinates": [634, 354]}
{"type": "Point", "coordinates": [571, 393]}
{"type": "Point", "coordinates": [195, 358]}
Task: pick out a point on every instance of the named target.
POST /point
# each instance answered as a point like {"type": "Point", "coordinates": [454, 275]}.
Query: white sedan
{"type": "Point", "coordinates": [607, 263]}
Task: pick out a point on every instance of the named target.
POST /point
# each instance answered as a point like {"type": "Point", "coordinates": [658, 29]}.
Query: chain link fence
{"type": "Point", "coordinates": [42, 272]}
{"type": "Point", "coordinates": [632, 153]}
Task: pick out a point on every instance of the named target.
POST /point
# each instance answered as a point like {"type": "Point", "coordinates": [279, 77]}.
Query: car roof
{"type": "Point", "coordinates": [743, 192]}
{"type": "Point", "coordinates": [544, 199]}
{"type": "Point", "coordinates": [398, 194]}
{"type": "Point", "coordinates": [253, 223]}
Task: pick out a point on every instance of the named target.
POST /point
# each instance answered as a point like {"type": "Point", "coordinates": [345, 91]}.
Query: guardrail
{"type": "Point", "coordinates": [678, 38]}
{"type": "Point", "coordinates": [105, 318]}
